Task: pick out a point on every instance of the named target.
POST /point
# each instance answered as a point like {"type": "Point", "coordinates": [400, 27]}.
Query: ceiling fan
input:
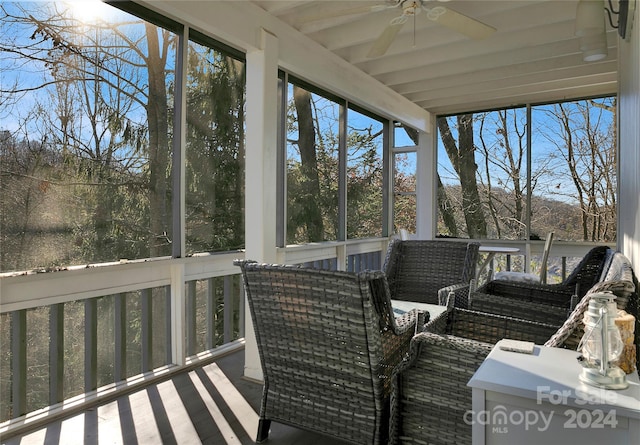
{"type": "Point", "coordinates": [410, 9]}
{"type": "Point", "coordinates": [440, 14]}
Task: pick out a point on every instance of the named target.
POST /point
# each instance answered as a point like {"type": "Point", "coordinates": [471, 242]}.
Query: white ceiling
{"type": "Point", "coordinates": [533, 56]}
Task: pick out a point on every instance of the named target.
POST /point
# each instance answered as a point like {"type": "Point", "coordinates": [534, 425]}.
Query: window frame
{"type": "Point", "coordinates": [528, 108]}
{"type": "Point", "coordinates": [284, 80]}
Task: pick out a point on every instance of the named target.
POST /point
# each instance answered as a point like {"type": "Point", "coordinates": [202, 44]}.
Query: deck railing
{"type": "Point", "coordinates": [70, 338]}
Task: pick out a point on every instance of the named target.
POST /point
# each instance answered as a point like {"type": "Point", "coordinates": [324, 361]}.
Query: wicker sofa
{"type": "Point", "coordinates": [418, 270]}
{"type": "Point", "coordinates": [328, 344]}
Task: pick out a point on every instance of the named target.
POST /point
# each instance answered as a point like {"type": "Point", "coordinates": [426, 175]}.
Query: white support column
{"type": "Point", "coordinates": [629, 143]}
{"type": "Point", "coordinates": [260, 170]}
{"type": "Point", "coordinates": [426, 187]}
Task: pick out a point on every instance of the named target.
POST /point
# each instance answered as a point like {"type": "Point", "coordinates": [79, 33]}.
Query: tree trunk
{"type": "Point", "coordinates": [446, 210]}
{"type": "Point", "coordinates": [157, 116]}
{"type": "Point", "coordinates": [310, 198]}
{"type": "Point", "coordinates": [462, 157]}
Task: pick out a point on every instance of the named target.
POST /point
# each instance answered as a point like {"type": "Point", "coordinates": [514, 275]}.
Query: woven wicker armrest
{"type": "Point", "coordinates": [430, 394]}
{"type": "Point", "coordinates": [412, 320]}
{"type": "Point", "coordinates": [395, 331]}
{"type": "Point", "coordinates": [460, 295]}
{"type": "Point", "coordinates": [624, 290]}
{"type": "Point", "coordinates": [399, 324]}
{"type": "Point", "coordinates": [438, 324]}
{"type": "Point", "coordinates": [395, 343]}
{"type": "Point", "coordinates": [569, 334]}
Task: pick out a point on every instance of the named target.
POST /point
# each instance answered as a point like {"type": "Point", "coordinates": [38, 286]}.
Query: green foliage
{"type": "Point", "coordinates": [90, 181]}
{"type": "Point", "coordinates": [364, 183]}
{"type": "Point", "coordinates": [215, 151]}
{"type": "Point", "coordinates": [364, 174]}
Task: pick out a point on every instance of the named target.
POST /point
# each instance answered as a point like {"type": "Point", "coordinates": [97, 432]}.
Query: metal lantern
{"type": "Point", "coordinates": [601, 344]}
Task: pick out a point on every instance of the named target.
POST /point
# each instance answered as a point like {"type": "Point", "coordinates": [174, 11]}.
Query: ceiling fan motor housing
{"type": "Point", "coordinates": [410, 7]}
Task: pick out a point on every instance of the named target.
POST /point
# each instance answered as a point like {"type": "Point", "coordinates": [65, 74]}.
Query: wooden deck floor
{"type": "Point", "coordinates": [209, 405]}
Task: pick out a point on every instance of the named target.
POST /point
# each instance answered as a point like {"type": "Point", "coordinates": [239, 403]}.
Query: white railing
{"type": "Point", "coordinates": [563, 256]}
{"type": "Point", "coordinates": [130, 322]}
{"type": "Point", "coordinates": [181, 312]}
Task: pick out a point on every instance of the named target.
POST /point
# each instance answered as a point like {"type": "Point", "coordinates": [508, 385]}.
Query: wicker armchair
{"type": "Point", "coordinates": [328, 343]}
{"type": "Point", "coordinates": [545, 303]}
{"type": "Point", "coordinates": [421, 270]}
{"type": "Point", "coordinates": [430, 394]}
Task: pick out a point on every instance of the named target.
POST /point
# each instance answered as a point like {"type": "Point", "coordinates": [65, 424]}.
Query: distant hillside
{"type": "Point", "coordinates": [547, 215]}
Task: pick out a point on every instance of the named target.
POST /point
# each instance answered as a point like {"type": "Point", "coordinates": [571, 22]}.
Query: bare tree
{"type": "Point", "coordinates": [502, 141]}
{"type": "Point", "coordinates": [111, 57]}
{"type": "Point", "coordinates": [462, 157]}
{"type": "Point", "coordinates": [585, 142]}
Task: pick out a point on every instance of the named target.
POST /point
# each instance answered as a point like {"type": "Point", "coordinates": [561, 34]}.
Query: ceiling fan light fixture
{"type": "Point", "coordinates": [590, 18]}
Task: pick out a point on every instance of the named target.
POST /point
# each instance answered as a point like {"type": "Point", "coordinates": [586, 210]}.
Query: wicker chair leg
{"type": "Point", "coordinates": [263, 430]}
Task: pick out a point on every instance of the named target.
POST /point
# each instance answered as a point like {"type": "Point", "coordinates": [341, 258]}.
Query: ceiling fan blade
{"type": "Point", "coordinates": [459, 22]}
{"type": "Point", "coordinates": [384, 41]}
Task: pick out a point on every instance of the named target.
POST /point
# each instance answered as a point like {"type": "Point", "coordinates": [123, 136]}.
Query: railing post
{"type": "Point", "coordinates": [56, 353]}
{"type": "Point", "coordinates": [90, 344]}
{"type": "Point", "coordinates": [178, 342]}
{"type": "Point", "coordinates": [341, 257]}
{"type": "Point", "coordinates": [211, 314]}
{"type": "Point", "coordinates": [228, 309]}
{"type": "Point", "coordinates": [19, 362]}
{"type": "Point", "coordinates": [167, 325]}
{"type": "Point", "coordinates": [190, 317]}
{"type": "Point", "coordinates": [147, 329]}
{"type": "Point", "coordinates": [120, 337]}
{"type": "Point", "coordinates": [241, 305]}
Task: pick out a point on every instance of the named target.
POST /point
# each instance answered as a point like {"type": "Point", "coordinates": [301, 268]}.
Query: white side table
{"type": "Point", "coordinates": [538, 399]}
{"type": "Point", "coordinates": [491, 252]}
